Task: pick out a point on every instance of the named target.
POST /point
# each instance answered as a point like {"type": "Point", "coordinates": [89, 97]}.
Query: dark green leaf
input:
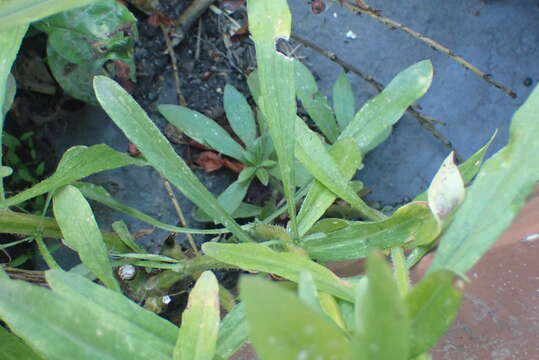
{"type": "Point", "coordinates": [14, 348]}
{"type": "Point", "coordinates": [343, 101]}
{"type": "Point", "coordinates": [200, 321]}
{"type": "Point", "coordinates": [138, 127]}
{"type": "Point", "coordinates": [432, 306]}
{"type": "Point", "coordinates": [239, 115]}
{"type": "Point", "coordinates": [282, 327]}
{"type": "Point", "coordinates": [257, 257]}
{"type": "Point", "coordinates": [76, 163]}
{"type": "Point", "coordinates": [497, 194]}
{"type": "Point", "coordinates": [202, 129]}
{"type": "Point", "coordinates": [373, 123]}
{"type": "Point", "coordinates": [412, 222]}
{"type": "Point", "coordinates": [382, 321]}
{"type": "Point", "coordinates": [81, 233]}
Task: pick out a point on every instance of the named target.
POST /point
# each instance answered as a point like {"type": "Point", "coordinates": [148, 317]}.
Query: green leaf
{"type": "Point", "coordinates": [81, 233]}
{"type": "Point", "coordinates": [469, 168]}
{"type": "Point", "coordinates": [412, 222]}
{"type": "Point", "coordinates": [382, 322]}
{"type": "Point", "coordinates": [239, 115]}
{"type": "Point", "coordinates": [446, 191]}
{"type": "Point", "coordinates": [307, 292]}
{"type": "Point", "coordinates": [277, 89]}
{"type": "Point", "coordinates": [85, 319]}
{"type": "Point", "coordinates": [232, 332]}
{"type": "Point", "coordinates": [257, 257]}
{"type": "Point", "coordinates": [262, 175]}
{"type": "Point", "coordinates": [314, 102]}
{"type": "Point", "coordinates": [282, 327]}
{"type": "Point", "coordinates": [10, 92]}
{"type": "Point", "coordinates": [14, 348]}
{"type": "Point", "coordinates": [200, 321]}
{"type": "Point", "coordinates": [3, 274]}
{"type": "Point", "coordinates": [432, 305]}
{"type": "Point", "coordinates": [17, 12]}
{"type": "Point", "coordinates": [347, 158]}
{"type": "Point", "coordinates": [26, 224]}
{"type": "Point", "coordinates": [496, 196]}
{"type": "Point", "coordinates": [121, 229]}
{"type": "Point", "coordinates": [344, 102]}
{"type": "Point", "coordinates": [230, 199]}
{"type": "Point", "coordinates": [373, 123]}
{"type": "Point", "coordinates": [138, 127]}
{"type": "Point", "coordinates": [202, 129]}
{"type": "Point", "coordinates": [76, 163]}
{"type": "Point", "coordinates": [312, 153]}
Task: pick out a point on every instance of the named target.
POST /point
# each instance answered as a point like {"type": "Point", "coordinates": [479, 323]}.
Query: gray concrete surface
{"type": "Point", "coordinates": [500, 37]}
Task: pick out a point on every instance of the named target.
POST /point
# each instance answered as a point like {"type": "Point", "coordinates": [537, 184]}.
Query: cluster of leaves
{"type": "Point", "coordinates": [314, 313]}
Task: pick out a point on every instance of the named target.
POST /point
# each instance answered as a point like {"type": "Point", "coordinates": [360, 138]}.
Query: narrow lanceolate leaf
{"type": "Point", "coordinates": [432, 306]}
{"type": "Point", "coordinates": [202, 129]}
{"type": "Point", "coordinates": [232, 332]}
{"type": "Point", "coordinates": [373, 123]}
{"type": "Point", "coordinates": [446, 191]}
{"type": "Point", "coordinates": [469, 168]}
{"type": "Point", "coordinates": [138, 127]}
{"type": "Point", "coordinates": [312, 153]}
{"type": "Point", "coordinates": [343, 101]}
{"type": "Point", "coordinates": [282, 327]}
{"type": "Point", "coordinates": [200, 321]}
{"type": "Point", "coordinates": [14, 348]}
{"type": "Point", "coordinates": [314, 102]}
{"type": "Point", "coordinates": [85, 319]}
{"type": "Point", "coordinates": [277, 90]}
{"type": "Point", "coordinates": [257, 257]}
{"type": "Point", "coordinates": [382, 320]}
{"type": "Point", "coordinates": [497, 194]}
{"type": "Point", "coordinates": [81, 233]}
{"type": "Point", "coordinates": [10, 42]}
{"type": "Point", "coordinates": [239, 115]}
{"type": "Point", "coordinates": [346, 155]}
{"type": "Point", "coordinates": [78, 162]}
{"type": "Point", "coordinates": [18, 12]}
{"type": "Point", "coordinates": [412, 222]}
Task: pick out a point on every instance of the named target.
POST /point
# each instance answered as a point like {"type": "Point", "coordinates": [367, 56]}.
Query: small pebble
{"type": "Point", "coordinates": [528, 82]}
{"type": "Point", "coordinates": [351, 35]}
{"type": "Point", "coordinates": [127, 272]}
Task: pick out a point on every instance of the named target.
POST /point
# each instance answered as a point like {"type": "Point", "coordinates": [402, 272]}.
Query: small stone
{"type": "Point", "coordinates": [528, 82]}
{"type": "Point", "coordinates": [351, 35]}
{"type": "Point", "coordinates": [127, 272]}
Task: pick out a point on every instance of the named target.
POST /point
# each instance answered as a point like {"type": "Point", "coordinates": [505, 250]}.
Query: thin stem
{"type": "Point", "coordinates": [400, 270]}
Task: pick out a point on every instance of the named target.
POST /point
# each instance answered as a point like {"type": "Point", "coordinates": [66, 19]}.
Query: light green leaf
{"type": "Point", "coordinates": [257, 257]}
{"type": "Point", "coordinates": [150, 257]}
{"type": "Point", "coordinates": [382, 321]}
{"type": "Point", "coordinates": [26, 224]}
{"type": "Point", "coordinates": [76, 163]}
{"type": "Point", "coordinates": [230, 199]}
{"type": "Point", "coordinates": [120, 228]}
{"type": "Point", "coordinates": [312, 153]}
{"type": "Point", "coordinates": [3, 274]}
{"type": "Point", "coordinates": [446, 191]}
{"type": "Point", "coordinates": [277, 98]}
{"type": "Point", "coordinates": [412, 222]}
{"type": "Point", "coordinates": [83, 318]}
{"type": "Point", "coordinates": [232, 332]}
{"type": "Point", "coordinates": [282, 327]}
{"type": "Point", "coordinates": [239, 115]}
{"type": "Point", "coordinates": [200, 321]}
{"type": "Point", "coordinates": [138, 127]}
{"type": "Point", "coordinates": [81, 233]}
{"type": "Point", "coordinates": [496, 196]}
{"type": "Point", "coordinates": [432, 305]}
{"type": "Point", "coordinates": [469, 168]}
{"type": "Point", "coordinates": [307, 292]}
{"type": "Point", "coordinates": [344, 102]}
{"type": "Point", "coordinates": [10, 92]}
{"type": "Point", "coordinates": [347, 158]}
{"type": "Point", "coordinates": [10, 42]}
{"type": "Point", "coordinates": [14, 348]}
{"type": "Point", "coordinates": [314, 102]}
{"type": "Point", "coordinates": [202, 129]}
{"type": "Point", "coordinates": [16, 12]}
{"type": "Point", "coordinates": [373, 123]}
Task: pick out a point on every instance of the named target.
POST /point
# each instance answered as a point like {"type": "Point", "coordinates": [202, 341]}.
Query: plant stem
{"type": "Point", "coordinates": [400, 269]}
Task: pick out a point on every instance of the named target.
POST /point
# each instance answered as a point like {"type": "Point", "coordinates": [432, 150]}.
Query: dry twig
{"type": "Point", "coordinates": [392, 24]}
{"type": "Point", "coordinates": [188, 18]}
{"type": "Point", "coordinates": [174, 62]}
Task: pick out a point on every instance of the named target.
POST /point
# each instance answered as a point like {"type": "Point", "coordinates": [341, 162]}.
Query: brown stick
{"type": "Point", "coordinates": [392, 24]}
{"type": "Point", "coordinates": [427, 122]}
{"type": "Point", "coordinates": [174, 63]}
{"type": "Point", "coordinates": [188, 18]}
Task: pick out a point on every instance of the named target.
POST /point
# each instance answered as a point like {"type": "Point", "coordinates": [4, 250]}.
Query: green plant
{"type": "Point", "coordinates": [314, 314]}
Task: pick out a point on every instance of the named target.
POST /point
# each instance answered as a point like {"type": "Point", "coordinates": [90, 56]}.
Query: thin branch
{"type": "Point", "coordinates": [392, 24]}
{"type": "Point", "coordinates": [174, 62]}
{"type": "Point", "coordinates": [188, 18]}
{"type": "Point", "coordinates": [425, 121]}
